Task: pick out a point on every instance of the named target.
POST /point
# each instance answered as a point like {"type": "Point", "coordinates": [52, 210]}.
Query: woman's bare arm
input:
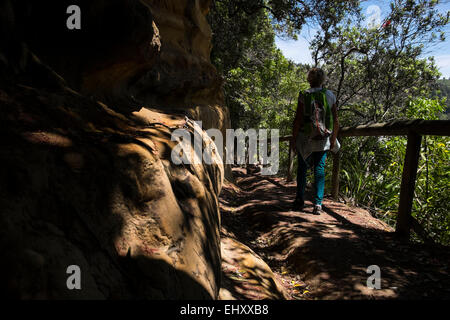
{"type": "Point", "coordinates": [335, 132]}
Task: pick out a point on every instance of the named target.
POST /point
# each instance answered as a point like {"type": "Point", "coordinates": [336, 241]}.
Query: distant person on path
{"type": "Point", "coordinates": [315, 131]}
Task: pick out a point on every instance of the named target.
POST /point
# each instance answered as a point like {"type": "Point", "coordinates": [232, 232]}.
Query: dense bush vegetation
{"type": "Point", "coordinates": [442, 91]}
{"type": "Point", "coordinates": [377, 74]}
{"type": "Point", "coordinates": [371, 176]}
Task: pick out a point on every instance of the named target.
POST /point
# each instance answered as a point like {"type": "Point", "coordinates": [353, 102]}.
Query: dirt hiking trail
{"type": "Point", "coordinates": [270, 251]}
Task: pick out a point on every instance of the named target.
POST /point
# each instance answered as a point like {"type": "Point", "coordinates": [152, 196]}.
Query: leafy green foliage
{"type": "Point", "coordinates": [442, 91]}
{"type": "Point", "coordinates": [378, 74]}
{"type": "Point", "coordinates": [287, 16]}
{"type": "Point", "coordinates": [261, 85]}
{"type": "Point", "coordinates": [375, 72]}
{"type": "Point", "coordinates": [372, 178]}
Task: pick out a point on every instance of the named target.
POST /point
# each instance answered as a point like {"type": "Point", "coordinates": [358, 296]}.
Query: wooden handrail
{"type": "Point", "coordinates": [395, 128]}
{"type": "Point", "coordinates": [399, 128]}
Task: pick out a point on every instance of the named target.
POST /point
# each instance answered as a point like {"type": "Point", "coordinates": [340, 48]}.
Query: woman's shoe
{"type": "Point", "coordinates": [317, 209]}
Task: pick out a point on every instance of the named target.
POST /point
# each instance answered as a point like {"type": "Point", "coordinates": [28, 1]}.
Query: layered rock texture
{"type": "Point", "coordinates": [86, 118]}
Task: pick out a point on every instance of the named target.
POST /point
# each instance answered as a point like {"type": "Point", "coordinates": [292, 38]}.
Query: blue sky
{"type": "Point", "coordinates": [298, 51]}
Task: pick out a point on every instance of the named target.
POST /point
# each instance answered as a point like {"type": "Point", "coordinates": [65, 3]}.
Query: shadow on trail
{"type": "Point", "coordinates": [331, 251]}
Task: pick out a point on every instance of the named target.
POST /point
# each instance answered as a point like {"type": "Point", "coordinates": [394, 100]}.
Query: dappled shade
{"type": "Point", "coordinates": [327, 256]}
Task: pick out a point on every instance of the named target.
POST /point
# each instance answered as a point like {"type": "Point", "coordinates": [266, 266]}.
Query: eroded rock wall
{"type": "Point", "coordinates": [85, 127]}
{"type": "Point", "coordinates": [131, 53]}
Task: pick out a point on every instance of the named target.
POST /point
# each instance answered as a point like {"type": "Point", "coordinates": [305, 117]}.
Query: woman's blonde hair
{"type": "Point", "coordinates": [316, 77]}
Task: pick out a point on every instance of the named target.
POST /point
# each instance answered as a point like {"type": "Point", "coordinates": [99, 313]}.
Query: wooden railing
{"type": "Point", "coordinates": [414, 130]}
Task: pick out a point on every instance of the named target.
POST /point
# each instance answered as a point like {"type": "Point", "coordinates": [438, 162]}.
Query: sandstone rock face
{"type": "Point", "coordinates": [193, 87]}
{"type": "Point", "coordinates": [246, 275]}
{"type": "Point", "coordinates": [131, 53]}
{"type": "Point", "coordinates": [85, 128]}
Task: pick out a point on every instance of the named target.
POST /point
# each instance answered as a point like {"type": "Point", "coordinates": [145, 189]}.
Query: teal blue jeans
{"type": "Point", "coordinates": [317, 161]}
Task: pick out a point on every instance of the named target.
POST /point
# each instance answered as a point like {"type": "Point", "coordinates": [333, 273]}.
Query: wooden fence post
{"type": "Point", "coordinates": [404, 219]}
{"type": "Point", "coordinates": [291, 160]}
{"type": "Point", "coordinates": [335, 176]}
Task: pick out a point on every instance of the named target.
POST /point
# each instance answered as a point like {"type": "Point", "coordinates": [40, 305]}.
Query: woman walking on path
{"type": "Point", "coordinates": [316, 127]}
